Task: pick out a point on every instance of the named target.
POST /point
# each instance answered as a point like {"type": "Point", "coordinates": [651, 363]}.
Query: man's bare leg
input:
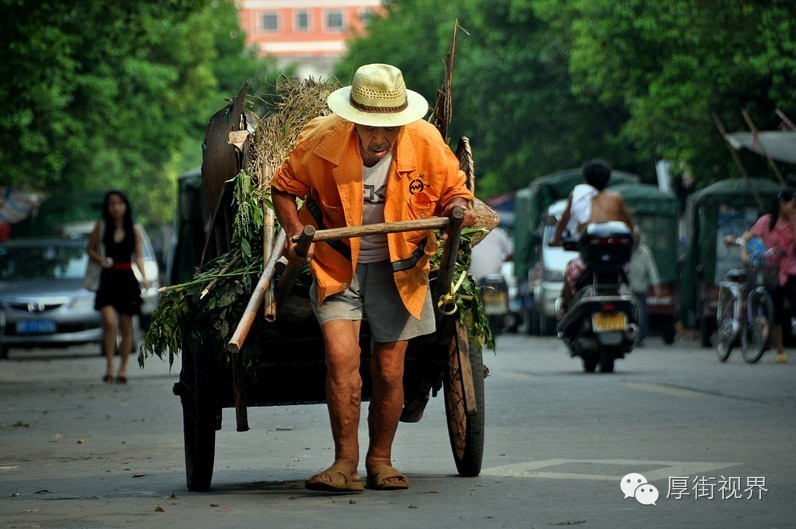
{"type": "Point", "coordinates": [343, 389]}
{"type": "Point", "coordinates": [386, 403]}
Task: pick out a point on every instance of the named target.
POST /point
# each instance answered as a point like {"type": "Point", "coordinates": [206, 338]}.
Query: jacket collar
{"type": "Point", "coordinates": [332, 148]}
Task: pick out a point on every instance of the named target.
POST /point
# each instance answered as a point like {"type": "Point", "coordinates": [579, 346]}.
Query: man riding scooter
{"type": "Point", "coordinates": [597, 311]}
{"type": "Point", "coordinates": [588, 203]}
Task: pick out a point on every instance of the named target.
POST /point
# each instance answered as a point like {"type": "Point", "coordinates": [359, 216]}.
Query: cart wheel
{"type": "Point", "coordinates": [466, 430]}
{"type": "Point", "coordinates": [198, 418]}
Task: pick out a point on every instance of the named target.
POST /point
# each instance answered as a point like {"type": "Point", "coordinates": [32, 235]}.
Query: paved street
{"type": "Point", "coordinates": [77, 453]}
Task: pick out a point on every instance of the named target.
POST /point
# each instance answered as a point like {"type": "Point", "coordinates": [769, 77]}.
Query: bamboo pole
{"type": "Point", "coordinates": [256, 299]}
{"type": "Point", "coordinates": [223, 271]}
{"type": "Point", "coordinates": [736, 158]}
{"type": "Point", "coordinates": [734, 154]}
{"type": "Point", "coordinates": [771, 161]}
{"type": "Point", "coordinates": [269, 302]}
{"type": "Point", "coordinates": [785, 119]}
{"type": "Point", "coordinates": [239, 394]}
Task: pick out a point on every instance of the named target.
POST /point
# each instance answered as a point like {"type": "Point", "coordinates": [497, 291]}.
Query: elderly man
{"type": "Point", "coordinates": [373, 160]}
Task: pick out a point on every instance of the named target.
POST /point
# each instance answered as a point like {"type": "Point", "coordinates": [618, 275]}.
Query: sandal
{"type": "Point", "coordinates": [121, 379]}
{"type": "Point", "coordinates": [379, 476]}
{"type": "Point", "coordinates": [107, 378]}
{"type": "Point", "coordinates": [336, 478]}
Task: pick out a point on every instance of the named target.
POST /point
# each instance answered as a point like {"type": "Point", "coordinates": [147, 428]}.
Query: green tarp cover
{"type": "Point", "coordinates": [702, 213]}
{"type": "Point", "coordinates": [655, 214]}
{"type": "Point", "coordinates": [541, 193]}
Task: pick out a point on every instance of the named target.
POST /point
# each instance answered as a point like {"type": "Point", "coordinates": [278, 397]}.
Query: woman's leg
{"type": "Point", "coordinates": [126, 344]}
{"type": "Point", "coordinates": [108, 337]}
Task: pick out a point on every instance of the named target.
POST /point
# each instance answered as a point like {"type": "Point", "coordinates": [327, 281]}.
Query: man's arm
{"type": "Point", "coordinates": [287, 213]}
{"type": "Point", "coordinates": [624, 216]}
{"type": "Point", "coordinates": [469, 217]}
{"type": "Point", "coordinates": [555, 240]}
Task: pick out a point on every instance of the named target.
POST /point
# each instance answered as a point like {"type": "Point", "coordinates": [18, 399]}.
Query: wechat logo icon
{"type": "Point", "coordinates": [636, 486]}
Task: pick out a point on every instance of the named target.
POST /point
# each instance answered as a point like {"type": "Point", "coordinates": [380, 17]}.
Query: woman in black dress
{"type": "Point", "coordinates": [115, 242]}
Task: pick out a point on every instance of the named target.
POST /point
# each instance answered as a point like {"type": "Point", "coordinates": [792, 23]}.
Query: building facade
{"type": "Point", "coordinates": [310, 34]}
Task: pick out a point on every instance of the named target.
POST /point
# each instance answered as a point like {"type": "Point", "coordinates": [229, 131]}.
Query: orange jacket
{"type": "Point", "coordinates": [325, 169]}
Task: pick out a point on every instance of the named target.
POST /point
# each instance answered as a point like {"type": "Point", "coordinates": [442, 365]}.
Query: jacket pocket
{"type": "Point", "coordinates": [421, 206]}
{"type": "Point", "coordinates": [334, 213]}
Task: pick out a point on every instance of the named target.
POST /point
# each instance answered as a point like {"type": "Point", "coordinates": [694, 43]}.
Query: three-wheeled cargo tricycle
{"type": "Point", "coordinates": [285, 360]}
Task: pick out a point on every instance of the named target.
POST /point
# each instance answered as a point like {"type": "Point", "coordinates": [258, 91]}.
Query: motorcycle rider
{"type": "Point", "coordinates": [588, 203]}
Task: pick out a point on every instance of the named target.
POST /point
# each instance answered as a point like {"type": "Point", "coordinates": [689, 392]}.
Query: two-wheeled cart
{"type": "Point", "coordinates": [289, 367]}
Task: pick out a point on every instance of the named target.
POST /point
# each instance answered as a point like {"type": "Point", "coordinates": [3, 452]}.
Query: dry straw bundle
{"type": "Point", "coordinates": [297, 101]}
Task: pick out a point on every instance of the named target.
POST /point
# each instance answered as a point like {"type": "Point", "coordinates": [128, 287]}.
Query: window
{"type": "Point", "coordinates": [302, 21]}
{"type": "Point", "coordinates": [334, 20]}
{"type": "Point", "coordinates": [269, 22]}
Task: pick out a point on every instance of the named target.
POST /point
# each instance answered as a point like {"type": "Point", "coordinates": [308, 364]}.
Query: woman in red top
{"type": "Point", "coordinates": [776, 229]}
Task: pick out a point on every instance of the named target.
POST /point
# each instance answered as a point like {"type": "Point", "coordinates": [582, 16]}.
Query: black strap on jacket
{"type": "Point", "coordinates": [338, 245]}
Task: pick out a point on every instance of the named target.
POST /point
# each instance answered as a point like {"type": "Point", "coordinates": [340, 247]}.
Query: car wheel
{"type": "Point", "coordinates": [3, 352]}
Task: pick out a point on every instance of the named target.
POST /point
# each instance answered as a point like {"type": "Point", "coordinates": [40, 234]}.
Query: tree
{"type": "Point", "coordinates": [673, 64]}
{"type": "Point", "coordinates": [511, 94]}
{"type": "Point", "coordinates": [110, 94]}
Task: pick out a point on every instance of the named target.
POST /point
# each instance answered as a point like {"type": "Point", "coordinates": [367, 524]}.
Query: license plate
{"type": "Point", "coordinates": [495, 302]}
{"type": "Point", "coordinates": [36, 327]}
{"type": "Point", "coordinates": [608, 321]}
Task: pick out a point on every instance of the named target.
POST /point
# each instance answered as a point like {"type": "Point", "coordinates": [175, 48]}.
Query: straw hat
{"type": "Point", "coordinates": [378, 97]}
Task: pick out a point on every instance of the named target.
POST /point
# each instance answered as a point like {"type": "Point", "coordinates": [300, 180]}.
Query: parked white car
{"type": "Point", "coordinates": [547, 276]}
{"type": "Point", "coordinates": [42, 299]}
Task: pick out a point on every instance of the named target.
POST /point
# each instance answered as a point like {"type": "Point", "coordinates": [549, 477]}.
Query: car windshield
{"type": "Point", "coordinates": [37, 262]}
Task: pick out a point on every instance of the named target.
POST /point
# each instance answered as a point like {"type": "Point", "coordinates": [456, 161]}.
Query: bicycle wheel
{"type": "Point", "coordinates": [754, 339]}
{"type": "Point", "coordinates": [726, 325]}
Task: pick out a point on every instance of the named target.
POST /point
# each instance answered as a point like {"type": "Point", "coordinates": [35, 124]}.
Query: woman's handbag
{"type": "Point", "coordinates": [91, 279]}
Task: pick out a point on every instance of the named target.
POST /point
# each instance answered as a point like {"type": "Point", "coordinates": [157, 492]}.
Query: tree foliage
{"type": "Point", "coordinates": [674, 64]}
{"type": "Point", "coordinates": [541, 85]}
{"type": "Point", "coordinates": [115, 94]}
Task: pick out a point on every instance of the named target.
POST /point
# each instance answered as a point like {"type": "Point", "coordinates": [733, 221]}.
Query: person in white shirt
{"type": "Point", "coordinates": [643, 274]}
{"type": "Point", "coordinates": [489, 255]}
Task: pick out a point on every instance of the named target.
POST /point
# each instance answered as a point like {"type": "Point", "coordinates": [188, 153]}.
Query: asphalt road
{"type": "Point", "coordinates": [716, 441]}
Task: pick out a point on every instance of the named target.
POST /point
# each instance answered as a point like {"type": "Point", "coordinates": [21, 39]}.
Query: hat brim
{"type": "Point", "coordinates": [339, 102]}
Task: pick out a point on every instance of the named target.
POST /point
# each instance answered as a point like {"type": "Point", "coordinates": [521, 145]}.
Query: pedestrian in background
{"type": "Point", "coordinates": [490, 253]}
{"type": "Point", "coordinates": [643, 275]}
{"type": "Point", "coordinates": [114, 243]}
{"type": "Point", "coordinates": [776, 229]}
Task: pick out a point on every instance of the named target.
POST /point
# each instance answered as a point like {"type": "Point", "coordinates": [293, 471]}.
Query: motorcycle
{"type": "Point", "coordinates": [601, 323]}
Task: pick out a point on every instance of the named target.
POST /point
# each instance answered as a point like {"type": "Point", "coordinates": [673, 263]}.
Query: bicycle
{"type": "Point", "coordinates": [745, 308]}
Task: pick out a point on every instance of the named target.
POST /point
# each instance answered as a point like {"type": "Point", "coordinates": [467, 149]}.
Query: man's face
{"type": "Point", "coordinates": [375, 142]}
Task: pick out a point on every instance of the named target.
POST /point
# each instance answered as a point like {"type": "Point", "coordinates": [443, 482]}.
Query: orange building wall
{"type": "Point", "coordinates": [317, 41]}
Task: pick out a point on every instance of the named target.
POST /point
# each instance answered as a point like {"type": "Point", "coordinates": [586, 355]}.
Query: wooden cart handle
{"type": "Point", "coordinates": [442, 284]}
{"type": "Point", "coordinates": [378, 229]}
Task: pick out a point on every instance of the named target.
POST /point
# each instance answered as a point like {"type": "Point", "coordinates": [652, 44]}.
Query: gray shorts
{"type": "Point", "coordinates": [373, 294]}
